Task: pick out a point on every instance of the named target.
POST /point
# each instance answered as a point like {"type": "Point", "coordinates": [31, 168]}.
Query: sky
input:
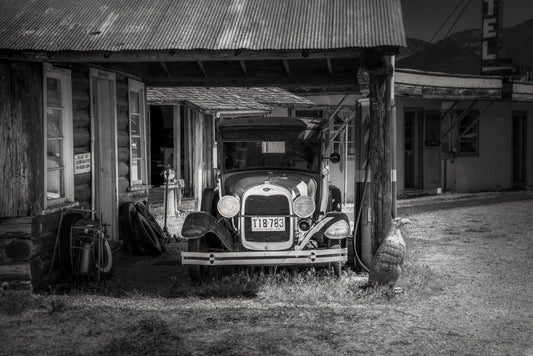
{"type": "Point", "coordinates": [422, 18]}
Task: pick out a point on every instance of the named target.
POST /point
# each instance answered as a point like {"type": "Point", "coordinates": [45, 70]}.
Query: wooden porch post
{"type": "Point", "coordinates": [379, 158]}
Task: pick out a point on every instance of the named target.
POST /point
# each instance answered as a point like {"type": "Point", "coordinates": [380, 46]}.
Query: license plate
{"type": "Point", "coordinates": [268, 223]}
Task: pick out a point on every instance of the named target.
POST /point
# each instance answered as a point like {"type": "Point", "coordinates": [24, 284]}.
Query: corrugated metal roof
{"type": "Point", "coordinates": [117, 25]}
{"type": "Point", "coordinates": [227, 98]}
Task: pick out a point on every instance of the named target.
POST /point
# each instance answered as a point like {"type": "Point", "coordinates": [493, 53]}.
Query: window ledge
{"type": "Point", "coordinates": [139, 187]}
{"type": "Point", "coordinates": [59, 207]}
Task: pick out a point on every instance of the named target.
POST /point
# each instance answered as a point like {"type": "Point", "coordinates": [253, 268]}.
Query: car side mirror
{"type": "Point", "coordinates": [335, 157]}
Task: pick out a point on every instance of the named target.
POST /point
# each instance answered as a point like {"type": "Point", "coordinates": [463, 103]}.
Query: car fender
{"type": "Point", "coordinates": [198, 224]}
{"type": "Point", "coordinates": [321, 226]}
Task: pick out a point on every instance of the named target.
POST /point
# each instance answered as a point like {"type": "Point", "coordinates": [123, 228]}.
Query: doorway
{"type": "Point", "coordinates": [519, 149]}
{"type": "Point", "coordinates": [413, 147]}
{"type": "Point", "coordinates": [104, 148]}
{"type": "Point", "coordinates": [162, 142]}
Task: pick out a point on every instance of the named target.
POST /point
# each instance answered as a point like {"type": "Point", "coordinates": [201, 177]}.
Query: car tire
{"type": "Point", "coordinates": [146, 235]}
{"type": "Point", "coordinates": [197, 273]}
{"type": "Point", "coordinates": [336, 266]}
{"type": "Point", "coordinates": [127, 213]}
{"type": "Point", "coordinates": [141, 208]}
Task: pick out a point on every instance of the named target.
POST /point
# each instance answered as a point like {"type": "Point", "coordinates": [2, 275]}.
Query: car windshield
{"type": "Point", "coordinates": [300, 155]}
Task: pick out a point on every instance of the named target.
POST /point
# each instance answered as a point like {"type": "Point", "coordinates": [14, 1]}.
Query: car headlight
{"type": "Point", "coordinates": [338, 230]}
{"type": "Point", "coordinates": [304, 206]}
{"type": "Point", "coordinates": [228, 206]}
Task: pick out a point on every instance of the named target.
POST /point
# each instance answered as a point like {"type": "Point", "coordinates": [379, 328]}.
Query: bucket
{"type": "Point", "coordinates": [85, 258]}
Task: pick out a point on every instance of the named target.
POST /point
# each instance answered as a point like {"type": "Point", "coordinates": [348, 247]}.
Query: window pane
{"type": "Point", "coordinates": [136, 147]}
{"type": "Point", "coordinates": [135, 124]}
{"type": "Point", "coordinates": [134, 102]}
{"type": "Point", "coordinates": [54, 153]}
{"type": "Point", "coordinates": [136, 172]}
{"type": "Point", "coordinates": [55, 123]}
{"type": "Point", "coordinates": [53, 92]}
{"type": "Point", "coordinates": [55, 184]}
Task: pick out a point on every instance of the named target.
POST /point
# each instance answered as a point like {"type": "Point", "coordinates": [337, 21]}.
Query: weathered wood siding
{"type": "Point", "coordinates": [21, 139]}
{"type": "Point", "coordinates": [82, 132]}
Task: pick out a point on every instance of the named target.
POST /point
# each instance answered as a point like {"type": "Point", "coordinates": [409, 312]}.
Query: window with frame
{"type": "Point", "coordinates": [468, 134]}
{"type": "Point", "coordinates": [58, 141]}
{"type": "Point", "coordinates": [138, 170]}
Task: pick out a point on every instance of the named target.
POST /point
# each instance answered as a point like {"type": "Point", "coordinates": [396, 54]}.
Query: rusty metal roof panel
{"type": "Point", "coordinates": [115, 25]}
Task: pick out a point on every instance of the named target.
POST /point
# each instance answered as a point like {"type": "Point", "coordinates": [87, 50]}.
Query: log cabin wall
{"type": "Point", "coordinates": [82, 133]}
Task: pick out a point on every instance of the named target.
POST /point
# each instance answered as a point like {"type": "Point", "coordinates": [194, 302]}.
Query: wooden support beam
{"type": "Point", "coordinates": [202, 68]}
{"type": "Point", "coordinates": [243, 68]}
{"type": "Point", "coordinates": [165, 68]}
{"type": "Point", "coordinates": [380, 160]}
{"type": "Point", "coordinates": [286, 67]}
{"type": "Point", "coordinates": [329, 66]}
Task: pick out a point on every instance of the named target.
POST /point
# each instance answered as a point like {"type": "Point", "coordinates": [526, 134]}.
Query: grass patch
{"type": "Point", "coordinates": [150, 336]}
{"type": "Point", "coordinates": [15, 302]}
{"type": "Point", "coordinates": [421, 279]}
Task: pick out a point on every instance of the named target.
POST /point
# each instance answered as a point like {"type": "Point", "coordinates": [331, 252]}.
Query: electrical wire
{"type": "Point", "coordinates": [447, 33]}
{"type": "Point", "coordinates": [436, 32]}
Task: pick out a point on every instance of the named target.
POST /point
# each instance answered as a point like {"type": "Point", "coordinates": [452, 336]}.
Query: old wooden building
{"type": "Point", "coordinates": [73, 99]}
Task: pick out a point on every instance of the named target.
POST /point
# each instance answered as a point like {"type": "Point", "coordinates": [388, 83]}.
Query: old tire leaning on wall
{"type": "Point", "coordinates": [141, 208]}
{"type": "Point", "coordinates": [127, 213]}
{"type": "Point", "coordinates": [146, 235]}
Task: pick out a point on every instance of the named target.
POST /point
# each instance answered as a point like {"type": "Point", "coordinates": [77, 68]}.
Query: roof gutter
{"type": "Point", "coordinates": [235, 113]}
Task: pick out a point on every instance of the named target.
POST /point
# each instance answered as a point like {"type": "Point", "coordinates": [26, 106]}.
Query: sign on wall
{"type": "Point", "coordinates": [492, 34]}
{"type": "Point", "coordinates": [82, 163]}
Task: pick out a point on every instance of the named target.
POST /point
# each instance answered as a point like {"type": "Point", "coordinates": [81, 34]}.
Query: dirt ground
{"type": "Point", "coordinates": [468, 289]}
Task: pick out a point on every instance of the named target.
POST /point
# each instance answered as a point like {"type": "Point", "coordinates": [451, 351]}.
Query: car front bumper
{"type": "Point", "coordinates": [265, 258]}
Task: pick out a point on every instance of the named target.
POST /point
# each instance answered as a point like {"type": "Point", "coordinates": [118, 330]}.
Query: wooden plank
{"type": "Point", "coordinates": [20, 271]}
{"type": "Point", "coordinates": [21, 182]}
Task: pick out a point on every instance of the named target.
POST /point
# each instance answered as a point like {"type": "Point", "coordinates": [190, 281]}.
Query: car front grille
{"type": "Point", "coordinates": [273, 205]}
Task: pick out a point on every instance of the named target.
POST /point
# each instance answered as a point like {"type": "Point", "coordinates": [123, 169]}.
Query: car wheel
{"type": "Point", "coordinates": [196, 272]}
{"type": "Point", "coordinates": [336, 266]}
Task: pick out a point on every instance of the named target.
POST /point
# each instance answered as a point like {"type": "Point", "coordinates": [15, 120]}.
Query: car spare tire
{"type": "Point", "coordinates": [127, 213]}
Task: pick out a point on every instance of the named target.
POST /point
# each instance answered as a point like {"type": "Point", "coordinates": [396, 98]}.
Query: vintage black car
{"type": "Point", "coordinates": [272, 204]}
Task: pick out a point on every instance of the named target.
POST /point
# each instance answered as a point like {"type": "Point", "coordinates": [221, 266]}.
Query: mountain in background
{"type": "Point", "coordinates": [461, 52]}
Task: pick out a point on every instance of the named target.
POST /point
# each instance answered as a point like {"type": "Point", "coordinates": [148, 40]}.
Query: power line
{"type": "Point", "coordinates": [436, 32]}
{"type": "Point", "coordinates": [447, 33]}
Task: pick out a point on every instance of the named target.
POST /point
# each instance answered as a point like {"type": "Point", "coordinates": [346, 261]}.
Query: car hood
{"type": "Point", "coordinates": [296, 182]}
